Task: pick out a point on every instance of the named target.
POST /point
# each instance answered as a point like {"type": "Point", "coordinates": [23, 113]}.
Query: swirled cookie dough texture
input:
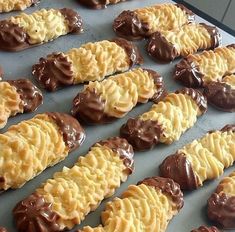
{"type": "Point", "coordinates": [143, 22]}
{"type": "Point", "coordinates": [147, 206]}
{"type": "Point", "coordinates": [25, 30]}
{"type": "Point", "coordinates": [166, 121]}
{"type": "Point", "coordinates": [90, 62]}
{"type": "Point", "coordinates": [65, 200]}
{"type": "Point", "coordinates": [10, 5]}
{"type": "Point", "coordinates": [206, 229]}
{"type": "Point", "coordinates": [18, 96]}
{"type": "Point", "coordinates": [221, 207]}
{"type": "Point", "coordinates": [190, 38]}
{"type": "Point", "coordinates": [102, 102]}
{"type": "Point", "coordinates": [99, 4]}
{"type": "Point", "coordinates": [26, 149]}
{"type": "Point", "coordinates": [203, 159]}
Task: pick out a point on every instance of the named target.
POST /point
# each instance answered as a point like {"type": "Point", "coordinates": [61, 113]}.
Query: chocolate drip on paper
{"type": "Point", "coordinates": [206, 229]}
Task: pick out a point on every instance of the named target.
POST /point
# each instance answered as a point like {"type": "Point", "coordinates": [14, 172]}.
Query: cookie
{"type": "Point", "coordinates": [90, 62]}
{"type": "Point", "coordinates": [33, 145]}
{"type": "Point", "coordinates": [147, 206]}
{"type": "Point", "coordinates": [3, 229]}
{"type": "Point", "coordinates": [102, 102]}
{"type": "Point", "coordinates": [27, 30]}
{"type": "Point", "coordinates": [64, 201]}
{"type": "Point", "coordinates": [10, 5]}
{"type": "Point", "coordinates": [99, 4]}
{"type": "Point", "coordinates": [206, 229]}
{"type": "Point", "coordinates": [201, 160]}
{"type": "Point", "coordinates": [190, 38]}
{"type": "Point", "coordinates": [221, 204]}
{"type": "Point", "coordinates": [200, 69]}
{"type": "Point", "coordinates": [142, 22]}
{"type": "Point", "coordinates": [166, 121]}
{"type": "Point", "coordinates": [18, 96]}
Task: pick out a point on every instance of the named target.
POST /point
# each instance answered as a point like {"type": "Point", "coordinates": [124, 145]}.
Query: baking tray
{"type": "Point", "coordinates": [97, 24]}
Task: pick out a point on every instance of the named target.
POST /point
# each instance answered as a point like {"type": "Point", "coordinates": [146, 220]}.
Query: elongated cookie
{"type": "Point", "coordinates": [90, 62]}
{"type": "Point", "coordinates": [147, 206]}
{"type": "Point", "coordinates": [102, 102]}
{"type": "Point", "coordinates": [166, 121]}
{"type": "Point", "coordinates": [143, 22]}
{"type": "Point", "coordinates": [203, 159]}
{"type": "Point", "coordinates": [10, 5]}
{"type": "Point", "coordinates": [18, 96]}
{"type": "Point", "coordinates": [206, 229]}
{"type": "Point", "coordinates": [99, 4]}
{"type": "Point", "coordinates": [26, 30]}
{"type": "Point", "coordinates": [65, 200]}
{"type": "Point", "coordinates": [33, 145]}
{"type": "Point", "coordinates": [221, 204]}
{"type": "Point", "coordinates": [190, 38]}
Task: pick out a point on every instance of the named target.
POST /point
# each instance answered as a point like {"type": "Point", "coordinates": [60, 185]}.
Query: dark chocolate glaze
{"type": "Point", "coordinates": [73, 133]}
{"type": "Point", "coordinates": [131, 49]}
{"type": "Point", "coordinates": [123, 149]}
{"type": "Point", "coordinates": [34, 214]}
{"type": "Point", "coordinates": [197, 96]}
{"type": "Point", "coordinates": [1, 72]}
{"type": "Point", "coordinates": [54, 71]}
{"type": "Point", "coordinates": [88, 106]}
{"type": "Point", "coordinates": [12, 37]}
{"type": "Point", "coordinates": [73, 19]}
{"type": "Point", "coordinates": [221, 95]}
{"type": "Point", "coordinates": [168, 187]}
{"type": "Point", "coordinates": [229, 127]}
{"type": "Point", "coordinates": [231, 46]}
{"type": "Point", "coordinates": [190, 14]}
{"type": "Point", "coordinates": [178, 168]}
{"type": "Point", "coordinates": [142, 135]}
{"type": "Point", "coordinates": [188, 73]}
{"type": "Point", "coordinates": [95, 4]}
{"type": "Point", "coordinates": [206, 229]}
{"type": "Point", "coordinates": [35, 2]}
{"type": "Point", "coordinates": [3, 229]}
{"type": "Point", "coordinates": [30, 95]}
{"type": "Point", "coordinates": [221, 208]}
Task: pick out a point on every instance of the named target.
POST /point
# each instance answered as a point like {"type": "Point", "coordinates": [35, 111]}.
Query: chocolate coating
{"type": "Point", "coordinates": [142, 135]}
{"type": "Point", "coordinates": [221, 208]}
{"type": "Point", "coordinates": [34, 214]}
{"type": "Point", "coordinates": [3, 229]}
{"type": "Point", "coordinates": [73, 133]}
{"type": "Point", "coordinates": [73, 19]}
{"type": "Point", "coordinates": [30, 95]}
{"type": "Point", "coordinates": [1, 72]}
{"type": "Point", "coordinates": [188, 73]}
{"type": "Point", "coordinates": [124, 150]}
{"type": "Point", "coordinates": [35, 2]}
{"type": "Point", "coordinates": [197, 96]}
{"type": "Point", "coordinates": [190, 14]}
{"type": "Point", "coordinates": [178, 168]}
{"type": "Point", "coordinates": [221, 96]}
{"type": "Point", "coordinates": [95, 4]}
{"type": "Point", "coordinates": [167, 186]}
{"type": "Point", "coordinates": [54, 71]}
{"type": "Point", "coordinates": [131, 49]}
{"type": "Point", "coordinates": [12, 37]}
{"type": "Point", "coordinates": [229, 127]}
{"type": "Point", "coordinates": [206, 229]}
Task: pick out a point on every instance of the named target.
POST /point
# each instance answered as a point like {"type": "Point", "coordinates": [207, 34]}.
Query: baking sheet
{"type": "Point", "coordinates": [97, 26]}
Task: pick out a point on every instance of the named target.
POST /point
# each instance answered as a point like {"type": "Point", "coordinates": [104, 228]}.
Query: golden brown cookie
{"type": "Point", "coordinates": [147, 206]}
{"type": "Point", "coordinates": [33, 145]}
{"type": "Point", "coordinates": [102, 102]}
{"type": "Point", "coordinates": [18, 96]}
{"type": "Point", "coordinates": [143, 22]}
{"type": "Point", "coordinates": [166, 121]}
{"type": "Point", "coordinates": [65, 200]}
{"type": "Point", "coordinates": [99, 4]}
{"type": "Point", "coordinates": [27, 30]}
{"type": "Point", "coordinates": [10, 5]}
{"type": "Point", "coordinates": [203, 159]}
{"type": "Point", "coordinates": [90, 62]}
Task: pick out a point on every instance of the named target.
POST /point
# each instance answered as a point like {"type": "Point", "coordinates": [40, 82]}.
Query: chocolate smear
{"type": "Point", "coordinates": [206, 229]}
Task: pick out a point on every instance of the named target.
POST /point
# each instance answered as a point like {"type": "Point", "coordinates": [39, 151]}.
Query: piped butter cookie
{"type": "Point", "coordinates": [10, 5]}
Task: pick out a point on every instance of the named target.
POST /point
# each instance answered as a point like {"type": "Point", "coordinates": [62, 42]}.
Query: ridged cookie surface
{"type": "Point", "coordinates": [102, 102]}
{"type": "Point", "coordinates": [26, 30]}
{"type": "Point", "coordinates": [166, 121]}
{"type": "Point", "coordinates": [99, 4]}
{"type": "Point", "coordinates": [10, 5]}
{"type": "Point", "coordinates": [90, 62]}
{"type": "Point", "coordinates": [147, 206]}
{"type": "Point", "coordinates": [142, 22]}
{"type": "Point", "coordinates": [33, 145]}
{"type": "Point", "coordinates": [18, 96]}
{"type": "Point", "coordinates": [190, 38]}
{"type": "Point", "coordinates": [65, 200]}
{"type": "Point", "coordinates": [203, 159]}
